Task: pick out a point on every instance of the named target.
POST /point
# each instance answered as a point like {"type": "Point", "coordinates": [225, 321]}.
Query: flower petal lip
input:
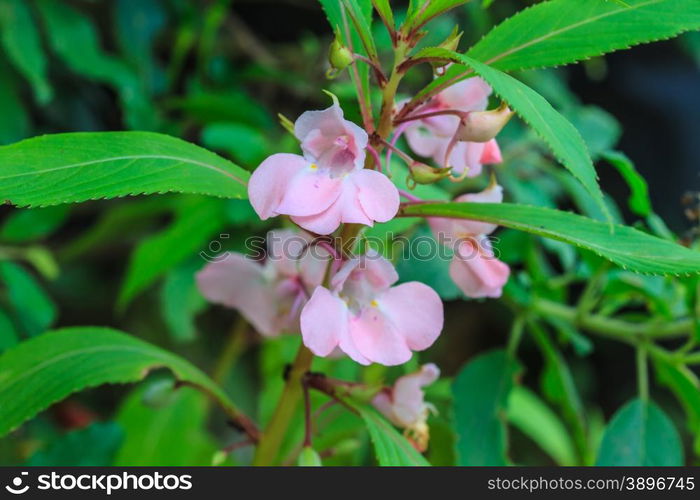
{"type": "Point", "coordinates": [269, 182]}
{"type": "Point", "coordinates": [416, 311]}
{"type": "Point", "coordinates": [322, 318]}
{"type": "Point", "coordinates": [377, 195]}
{"type": "Point", "coordinates": [239, 283]}
{"type": "Point", "coordinates": [377, 339]}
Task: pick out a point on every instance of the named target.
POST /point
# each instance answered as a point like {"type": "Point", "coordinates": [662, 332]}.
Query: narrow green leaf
{"type": "Point", "coordinates": [69, 168]}
{"type": "Point", "coordinates": [41, 371]}
{"type": "Point", "coordinates": [22, 42]}
{"type": "Point", "coordinates": [362, 23]}
{"type": "Point", "coordinates": [625, 246]}
{"type": "Point", "coordinates": [170, 435]}
{"type": "Point", "coordinates": [564, 31]}
{"type": "Point", "coordinates": [481, 391]}
{"type": "Point", "coordinates": [391, 448]}
{"type": "Point", "coordinates": [640, 434]}
{"type": "Point", "coordinates": [180, 301]}
{"type": "Point", "coordinates": [557, 132]}
{"type": "Point", "coordinates": [196, 223]}
{"type": "Point", "coordinates": [384, 10]}
{"type": "Point", "coordinates": [638, 201]}
{"type": "Point", "coordinates": [14, 119]}
{"type": "Point", "coordinates": [33, 309]}
{"type": "Point", "coordinates": [534, 418]}
{"type": "Point", "coordinates": [427, 10]}
{"type": "Point", "coordinates": [8, 333]}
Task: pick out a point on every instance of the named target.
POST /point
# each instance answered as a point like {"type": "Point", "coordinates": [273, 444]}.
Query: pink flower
{"type": "Point", "coordinates": [474, 267]}
{"type": "Point", "coordinates": [430, 137]}
{"type": "Point", "coordinates": [367, 318]}
{"type": "Point", "coordinates": [328, 185]}
{"type": "Point", "coordinates": [270, 295]}
{"type": "Point", "coordinates": [404, 404]}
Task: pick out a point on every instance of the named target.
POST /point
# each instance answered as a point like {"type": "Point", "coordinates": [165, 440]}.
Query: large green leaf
{"type": "Point", "coordinates": [47, 368]}
{"type": "Point", "coordinates": [534, 418]}
{"type": "Point", "coordinates": [640, 434]}
{"type": "Point", "coordinates": [391, 448]}
{"type": "Point", "coordinates": [22, 43]}
{"type": "Point", "coordinates": [66, 168]}
{"type": "Point", "coordinates": [625, 246]}
{"type": "Point", "coordinates": [564, 31]}
{"type": "Point", "coordinates": [557, 132]}
{"type": "Point", "coordinates": [172, 434]}
{"type": "Point", "coordinates": [195, 224]}
{"type": "Point", "coordinates": [481, 392]}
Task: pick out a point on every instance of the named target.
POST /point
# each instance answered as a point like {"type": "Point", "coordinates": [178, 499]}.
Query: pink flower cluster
{"type": "Point", "coordinates": [355, 305]}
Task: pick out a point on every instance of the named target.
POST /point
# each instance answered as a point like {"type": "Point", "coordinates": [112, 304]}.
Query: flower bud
{"type": "Point", "coordinates": [339, 56]}
{"type": "Point", "coordinates": [309, 458]}
{"type": "Point", "coordinates": [425, 174]}
{"type": "Point", "coordinates": [482, 126]}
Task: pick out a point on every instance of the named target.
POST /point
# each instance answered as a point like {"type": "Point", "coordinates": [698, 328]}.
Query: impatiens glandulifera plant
{"type": "Point", "coordinates": [318, 279]}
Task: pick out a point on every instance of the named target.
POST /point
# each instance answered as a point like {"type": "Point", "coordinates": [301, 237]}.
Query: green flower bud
{"type": "Point", "coordinates": [309, 458]}
{"type": "Point", "coordinates": [339, 56]}
{"type": "Point", "coordinates": [450, 43]}
{"type": "Point", "coordinates": [425, 174]}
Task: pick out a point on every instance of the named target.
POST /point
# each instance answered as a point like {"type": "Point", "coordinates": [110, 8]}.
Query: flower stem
{"type": "Point", "coordinates": [235, 345]}
{"type": "Point", "coordinates": [272, 436]}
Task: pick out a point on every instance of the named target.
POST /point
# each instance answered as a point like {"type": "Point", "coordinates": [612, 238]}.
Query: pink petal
{"type": "Point", "coordinates": [286, 249]}
{"type": "Point", "coordinates": [408, 396]}
{"type": "Point", "coordinates": [324, 320]}
{"type": "Point", "coordinates": [491, 153]}
{"type": "Point", "coordinates": [238, 282]}
{"type": "Point", "coordinates": [477, 273]}
{"type": "Point", "coordinates": [492, 194]}
{"type": "Point", "coordinates": [468, 95]}
{"type": "Point", "coordinates": [377, 339]}
{"type": "Point", "coordinates": [270, 181]}
{"type": "Point", "coordinates": [416, 311]}
{"type": "Point", "coordinates": [378, 196]}
{"type": "Point", "coordinates": [311, 191]}
{"type": "Point", "coordinates": [422, 140]}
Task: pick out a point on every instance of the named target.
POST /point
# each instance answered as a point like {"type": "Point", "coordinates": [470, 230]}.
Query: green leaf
{"type": "Point", "coordinates": [564, 31]}
{"type": "Point", "coordinates": [362, 20]}
{"type": "Point", "coordinates": [686, 387]}
{"type": "Point", "coordinates": [194, 226]}
{"type": "Point", "coordinates": [74, 38]}
{"type": "Point", "coordinates": [69, 168]}
{"type": "Point", "coordinates": [22, 42]}
{"type": "Point", "coordinates": [534, 418]}
{"type": "Point", "coordinates": [32, 224]}
{"type": "Point", "coordinates": [180, 301]}
{"type": "Point", "coordinates": [638, 201]}
{"type": "Point", "coordinates": [46, 369]}
{"type": "Point", "coordinates": [8, 334]}
{"type": "Point", "coordinates": [625, 246]}
{"type": "Point", "coordinates": [428, 9]}
{"type": "Point", "coordinates": [391, 448]}
{"type": "Point", "coordinates": [640, 434]}
{"type": "Point", "coordinates": [384, 10]}
{"type": "Point", "coordinates": [229, 137]}
{"type": "Point", "coordinates": [481, 391]}
{"type": "Point", "coordinates": [170, 435]}
{"type": "Point", "coordinates": [14, 119]}
{"type": "Point", "coordinates": [33, 308]}
{"type": "Point", "coordinates": [557, 132]}
{"type": "Point", "coordinates": [92, 446]}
